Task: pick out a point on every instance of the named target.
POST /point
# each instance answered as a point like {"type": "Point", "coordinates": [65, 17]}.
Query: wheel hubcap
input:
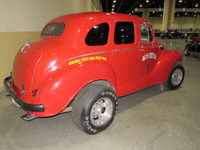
{"type": "Point", "coordinates": [177, 77]}
{"type": "Point", "coordinates": [101, 111]}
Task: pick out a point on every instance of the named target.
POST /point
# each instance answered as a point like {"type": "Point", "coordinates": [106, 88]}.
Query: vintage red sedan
{"type": "Point", "coordinates": [84, 62]}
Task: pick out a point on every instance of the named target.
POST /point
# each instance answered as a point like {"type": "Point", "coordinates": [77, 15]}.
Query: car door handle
{"type": "Point", "coordinates": [143, 51]}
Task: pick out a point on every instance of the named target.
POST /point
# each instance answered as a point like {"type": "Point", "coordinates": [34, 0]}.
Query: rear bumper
{"type": "Point", "coordinates": [23, 105]}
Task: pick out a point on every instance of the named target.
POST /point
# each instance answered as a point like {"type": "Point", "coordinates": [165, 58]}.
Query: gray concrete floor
{"type": "Point", "coordinates": [152, 119]}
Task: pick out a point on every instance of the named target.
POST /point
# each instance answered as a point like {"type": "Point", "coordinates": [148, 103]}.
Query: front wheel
{"type": "Point", "coordinates": [176, 77]}
{"type": "Point", "coordinates": [94, 108]}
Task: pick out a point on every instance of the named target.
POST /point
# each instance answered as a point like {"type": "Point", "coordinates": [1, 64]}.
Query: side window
{"type": "Point", "coordinates": [98, 35]}
{"type": "Point", "coordinates": [146, 33]}
{"type": "Point", "coordinates": [124, 33]}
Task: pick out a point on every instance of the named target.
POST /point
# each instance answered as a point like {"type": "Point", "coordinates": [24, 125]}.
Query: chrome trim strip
{"type": "Point", "coordinates": [88, 55]}
{"type": "Point", "coordinates": [117, 50]}
{"type": "Point", "coordinates": [149, 47]}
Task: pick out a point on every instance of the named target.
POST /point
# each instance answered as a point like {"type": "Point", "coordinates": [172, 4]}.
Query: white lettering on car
{"type": "Point", "coordinates": [148, 56]}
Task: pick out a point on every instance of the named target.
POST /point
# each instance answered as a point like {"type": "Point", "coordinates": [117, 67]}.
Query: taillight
{"type": "Point", "coordinates": [35, 92]}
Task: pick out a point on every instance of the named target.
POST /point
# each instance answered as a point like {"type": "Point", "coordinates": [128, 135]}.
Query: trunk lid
{"type": "Point", "coordinates": [25, 64]}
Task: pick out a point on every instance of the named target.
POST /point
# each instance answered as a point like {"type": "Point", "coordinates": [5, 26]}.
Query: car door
{"type": "Point", "coordinates": [148, 54]}
{"type": "Point", "coordinates": [125, 56]}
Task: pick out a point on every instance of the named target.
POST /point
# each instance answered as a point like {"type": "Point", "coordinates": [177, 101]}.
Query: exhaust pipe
{"type": "Point", "coordinates": [9, 96]}
{"type": "Point", "coordinates": [66, 110]}
{"type": "Point", "coordinates": [28, 117]}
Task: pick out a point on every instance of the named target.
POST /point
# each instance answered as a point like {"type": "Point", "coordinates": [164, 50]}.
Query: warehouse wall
{"type": "Point", "coordinates": [22, 22]}
{"type": "Point", "coordinates": [179, 22]}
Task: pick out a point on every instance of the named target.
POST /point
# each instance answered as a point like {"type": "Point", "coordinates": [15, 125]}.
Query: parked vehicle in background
{"type": "Point", "coordinates": [183, 32]}
{"type": "Point", "coordinates": [171, 33]}
{"type": "Point", "coordinates": [157, 32]}
{"type": "Point", "coordinates": [193, 45]}
{"type": "Point", "coordinates": [192, 32]}
{"type": "Point", "coordinates": [84, 62]}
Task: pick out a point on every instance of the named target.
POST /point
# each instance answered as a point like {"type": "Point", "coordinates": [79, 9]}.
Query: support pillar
{"type": "Point", "coordinates": [197, 24]}
{"type": "Point", "coordinates": [145, 14]}
{"type": "Point", "coordinates": [168, 14]}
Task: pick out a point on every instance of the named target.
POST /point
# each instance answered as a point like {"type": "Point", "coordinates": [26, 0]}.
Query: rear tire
{"type": "Point", "coordinates": [176, 77]}
{"type": "Point", "coordinates": [94, 108]}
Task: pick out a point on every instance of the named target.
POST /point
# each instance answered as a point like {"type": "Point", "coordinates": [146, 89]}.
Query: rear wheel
{"type": "Point", "coordinates": [94, 108]}
{"type": "Point", "coordinates": [176, 77]}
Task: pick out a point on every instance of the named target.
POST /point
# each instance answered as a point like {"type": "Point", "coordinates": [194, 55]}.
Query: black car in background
{"type": "Point", "coordinates": [190, 33]}
{"type": "Point", "coordinates": [193, 45]}
{"type": "Point", "coordinates": [157, 32]}
{"type": "Point", "coordinates": [171, 33]}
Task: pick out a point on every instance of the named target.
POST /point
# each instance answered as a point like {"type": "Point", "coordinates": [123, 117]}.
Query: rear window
{"type": "Point", "coordinates": [98, 35]}
{"type": "Point", "coordinates": [53, 29]}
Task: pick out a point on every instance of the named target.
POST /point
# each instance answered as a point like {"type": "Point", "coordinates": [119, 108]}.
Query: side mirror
{"type": "Point", "coordinates": [161, 46]}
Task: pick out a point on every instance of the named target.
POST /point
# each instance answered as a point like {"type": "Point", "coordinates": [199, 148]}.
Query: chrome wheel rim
{"type": "Point", "coordinates": [101, 111]}
{"type": "Point", "coordinates": [177, 77]}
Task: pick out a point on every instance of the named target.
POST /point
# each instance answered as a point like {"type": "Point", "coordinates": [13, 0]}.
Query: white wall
{"type": "Point", "coordinates": [32, 15]}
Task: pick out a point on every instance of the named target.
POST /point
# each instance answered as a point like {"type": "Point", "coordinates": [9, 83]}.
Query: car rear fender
{"type": "Point", "coordinates": [57, 93]}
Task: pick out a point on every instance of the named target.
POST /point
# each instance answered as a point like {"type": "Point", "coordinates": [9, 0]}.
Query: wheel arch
{"type": "Point", "coordinates": [164, 65]}
{"type": "Point", "coordinates": [59, 91]}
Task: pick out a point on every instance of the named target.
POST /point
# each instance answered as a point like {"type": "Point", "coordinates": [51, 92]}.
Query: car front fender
{"type": "Point", "coordinates": [166, 61]}
{"type": "Point", "coordinates": [57, 93]}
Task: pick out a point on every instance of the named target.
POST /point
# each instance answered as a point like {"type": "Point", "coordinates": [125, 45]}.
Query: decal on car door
{"type": "Point", "coordinates": [148, 56]}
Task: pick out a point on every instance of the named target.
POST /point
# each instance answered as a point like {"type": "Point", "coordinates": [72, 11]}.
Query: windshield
{"type": "Point", "coordinates": [53, 29]}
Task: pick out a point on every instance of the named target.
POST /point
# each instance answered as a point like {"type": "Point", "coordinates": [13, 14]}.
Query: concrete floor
{"type": "Point", "coordinates": [152, 119]}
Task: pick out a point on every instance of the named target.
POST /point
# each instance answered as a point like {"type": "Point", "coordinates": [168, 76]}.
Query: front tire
{"type": "Point", "coordinates": [176, 77]}
{"type": "Point", "coordinates": [94, 108]}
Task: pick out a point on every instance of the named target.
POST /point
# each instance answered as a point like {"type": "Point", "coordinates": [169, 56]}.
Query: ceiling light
{"type": "Point", "coordinates": [140, 5]}
{"type": "Point", "coordinates": [114, 1]}
{"type": "Point", "coordinates": [147, 1]}
{"type": "Point", "coordinates": [197, 4]}
{"type": "Point", "coordinates": [180, 1]}
{"type": "Point", "coordinates": [113, 5]}
{"type": "Point", "coordinates": [183, 8]}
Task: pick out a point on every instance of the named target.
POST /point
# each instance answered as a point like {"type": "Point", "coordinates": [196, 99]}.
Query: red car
{"type": "Point", "coordinates": [84, 62]}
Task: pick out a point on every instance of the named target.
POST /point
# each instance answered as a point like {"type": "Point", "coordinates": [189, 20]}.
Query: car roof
{"type": "Point", "coordinates": [95, 16]}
